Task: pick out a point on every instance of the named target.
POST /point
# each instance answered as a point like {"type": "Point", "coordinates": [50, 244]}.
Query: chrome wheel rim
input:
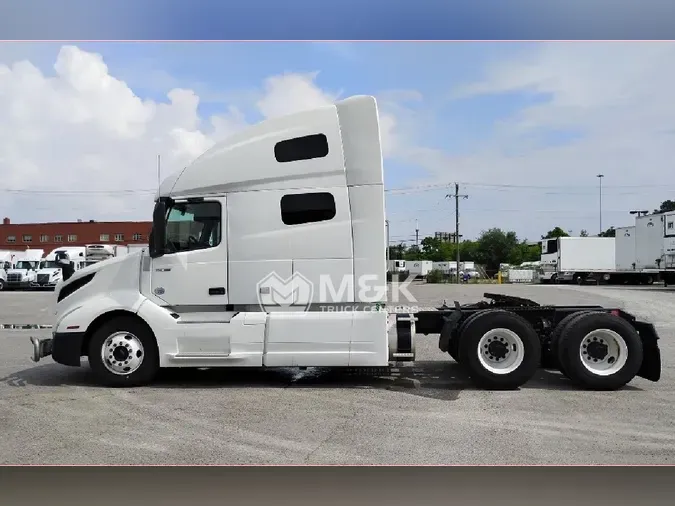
{"type": "Point", "coordinates": [122, 353]}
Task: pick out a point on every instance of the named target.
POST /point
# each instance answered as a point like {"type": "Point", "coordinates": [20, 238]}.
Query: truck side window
{"type": "Point", "coordinates": [300, 208]}
{"type": "Point", "coordinates": [193, 225]}
{"type": "Point", "coordinates": [301, 148]}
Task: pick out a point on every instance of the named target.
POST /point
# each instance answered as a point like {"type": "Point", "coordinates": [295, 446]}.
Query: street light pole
{"type": "Point", "coordinates": [600, 176]}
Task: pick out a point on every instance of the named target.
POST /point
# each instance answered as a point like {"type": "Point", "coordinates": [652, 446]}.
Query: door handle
{"type": "Point", "coordinates": [163, 269]}
{"type": "Point", "coordinates": [219, 290]}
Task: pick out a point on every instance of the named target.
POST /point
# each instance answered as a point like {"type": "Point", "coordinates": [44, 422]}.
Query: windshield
{"type": "Point", "coordinates": [49, 264]}
{"type": "Point", "coordinates": [23, 264]}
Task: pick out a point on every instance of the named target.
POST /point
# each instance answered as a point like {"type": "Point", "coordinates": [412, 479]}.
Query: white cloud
{"type": "Point", "coordinates": [81, 129]}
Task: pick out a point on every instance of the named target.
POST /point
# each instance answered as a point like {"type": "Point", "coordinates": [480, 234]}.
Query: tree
{"type": "Point", "coordinates": [495, 247]}
{"type": "Point", "coordinates": [666, 207]}
{"type": "Point", "coordinates": [556, 232]}
{"type": "Point", "coordinates": [583, 233]}
{"type": "Point", "coordinates": [412, 253]}
{"type": "Point", "coordinates": [610, 232]}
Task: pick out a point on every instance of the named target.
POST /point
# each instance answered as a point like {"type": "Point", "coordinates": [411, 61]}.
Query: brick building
{"type": "Point", "coordinates": [48, 236]}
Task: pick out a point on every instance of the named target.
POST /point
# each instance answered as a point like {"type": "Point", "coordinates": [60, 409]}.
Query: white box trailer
{"type": "Point", "coordinates": [420, 268]}
{"type": "Point", "coordinates": [240, 284]}
{"type": "Point", "coordinates": [444, 267]}
{"type": "Point", "coordinates": [649, 241]}
{"type": "Point", "coordinates": [668, 260]}
{"type": "Point", "coordinates": [580, 257]}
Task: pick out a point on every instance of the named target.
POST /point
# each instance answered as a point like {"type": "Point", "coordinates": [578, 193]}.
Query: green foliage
{"type": "Point", "coordinates": [583, 233]}
{"type": "Point", "coordinates": [666, 207]}
{"type": "Point", "coordinates": [556, 232]}
{"type": "Point", "coordinates": [610, 232]}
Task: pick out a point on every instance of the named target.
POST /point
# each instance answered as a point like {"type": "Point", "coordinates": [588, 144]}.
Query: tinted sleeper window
{"type": "Point", "coordinates": [307, 208]}
{"type": "Point", "coordinates": [301, 148]}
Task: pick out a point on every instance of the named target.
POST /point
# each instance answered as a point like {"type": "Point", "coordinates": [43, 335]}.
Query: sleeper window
{"type": "Point", "coordinates": [300, 208]}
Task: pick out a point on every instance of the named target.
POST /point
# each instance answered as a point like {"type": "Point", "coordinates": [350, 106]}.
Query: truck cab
{"type": "Point", "coordinates": [50, 272]}
{"type": "Point", "coordinates": [277, 266]}
{"type": "Point", "coordinates": [24, 272]}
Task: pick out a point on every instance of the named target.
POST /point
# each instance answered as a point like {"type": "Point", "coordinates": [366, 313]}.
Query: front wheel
{"type": "Point", "coordinates": [123, 353]}
{"type": "Point", "coordinates": [2, 285]}
{"type": "Point", "coordinates": [500, 350]}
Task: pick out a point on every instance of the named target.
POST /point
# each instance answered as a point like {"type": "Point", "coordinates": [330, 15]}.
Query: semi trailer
{"type": "Point", "coordinates": [266, 251]}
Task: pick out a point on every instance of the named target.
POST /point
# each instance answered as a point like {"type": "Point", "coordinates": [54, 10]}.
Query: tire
{"type": "Point", "coordinates": [2, 285]}
{"type": "Point", "coordinates": [504, 327]}
{"type": "Point", "coordinates": [129, 331]}
{"type": "Point", "coordinates": [623, 346]}
{"type": "Point", "coordinates": [554, 346]}
{"type": "Point", "coordinates": [649, 280]}
{"type": "Point", "coordinates": [454, 343]}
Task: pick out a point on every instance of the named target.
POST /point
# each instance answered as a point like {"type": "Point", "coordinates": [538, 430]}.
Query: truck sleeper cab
{"type": "Point", "coordinates": [269, 251]}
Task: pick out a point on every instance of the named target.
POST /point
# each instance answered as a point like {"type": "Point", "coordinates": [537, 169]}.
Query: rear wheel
{"type": "Point", "coordinates": [500, 350]}
{"type": "Point", "coordinates": [554, 344]}
{"type": "Point", "coordinates": [454, 343]}
{"type": "Point", "coordinates": [600, 351]}
{"type": "Point", "coordinates": [2, 284]}
{"type": "Point", "coordinates": [123, 353]}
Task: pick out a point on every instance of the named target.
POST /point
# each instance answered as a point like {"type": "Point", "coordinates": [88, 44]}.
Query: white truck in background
{"type": "Point", "coordinates": [24, 273]}
{"type": "Point", "coordinates": [245, 238]}
{"type": "Point", "coordinates": [50, 273]}
{"type": "Point", "coordinates": [95, 253]}
{"type": "Point", "coordinates": [6, 263]}
{"type": "Point", "coordinates": [548, 261]}
{"type": "Point", "coordinates": [396, 266]}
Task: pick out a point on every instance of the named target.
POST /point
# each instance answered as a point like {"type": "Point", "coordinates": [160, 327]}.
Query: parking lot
{"type": "Point", "coordinates": [426, 414]}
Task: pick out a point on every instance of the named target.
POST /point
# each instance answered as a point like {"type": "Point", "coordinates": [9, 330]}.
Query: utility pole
{"type": "Point", "coordinates": [457, 196]}
{"type": "Point", "coordinates": [417, 234]}
{"type": "Point", "coordinates": [159, 165]}
{"type": "Point", "coordinates": [600, 176]}
{"type": "Point", "coordinates": [386, 222]}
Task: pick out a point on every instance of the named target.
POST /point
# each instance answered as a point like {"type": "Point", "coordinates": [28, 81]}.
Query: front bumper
{"type": "Point", "coordinates": [19, 284]}
{"type": "Point", "coordinates": [64, 348]}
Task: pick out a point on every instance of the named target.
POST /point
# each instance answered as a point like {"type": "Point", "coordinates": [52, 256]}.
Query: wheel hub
{"type": "Point", "coordinates": [603, 352]}
{"type": "Point", "coordinates": [122, 353]}
{"type": "Point", "coordinates": [597, 350]}
{"type": "Point", "coordinates": [498, 349]}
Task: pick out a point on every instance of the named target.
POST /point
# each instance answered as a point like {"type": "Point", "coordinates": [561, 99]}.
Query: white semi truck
{"type": "Point", "coordinates": [266, 251]}
{"type": "Point", "coordinates": [6, 263]}
{"type": "Point", "coordinates": [50, 274]}
{"type": "Point", "coordinates": [607, 260]}
{"type": "Point", "coordinates": [24, 273]}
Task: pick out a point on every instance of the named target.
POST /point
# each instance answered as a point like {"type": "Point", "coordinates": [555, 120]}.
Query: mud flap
{"type": "Point", "coordinates": [651, 361]}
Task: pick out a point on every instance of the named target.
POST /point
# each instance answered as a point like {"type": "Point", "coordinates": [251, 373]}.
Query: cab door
{"type": "Point", "coordinates": [193, 270]}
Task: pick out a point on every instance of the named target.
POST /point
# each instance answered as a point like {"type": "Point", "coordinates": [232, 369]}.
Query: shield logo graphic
{"type": "Point", "coordinates": [274, 291]}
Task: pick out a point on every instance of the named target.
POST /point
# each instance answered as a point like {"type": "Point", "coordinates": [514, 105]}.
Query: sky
{"type": "Point", "coordinates": [524, 128]}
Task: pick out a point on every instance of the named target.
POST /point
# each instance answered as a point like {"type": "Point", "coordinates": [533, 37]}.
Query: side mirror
{"type": "Point", "coordinates": [157, 237]}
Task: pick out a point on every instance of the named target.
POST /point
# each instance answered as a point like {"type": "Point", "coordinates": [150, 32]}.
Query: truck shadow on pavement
{"type": "Point", "coordinates": [440, 380]}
